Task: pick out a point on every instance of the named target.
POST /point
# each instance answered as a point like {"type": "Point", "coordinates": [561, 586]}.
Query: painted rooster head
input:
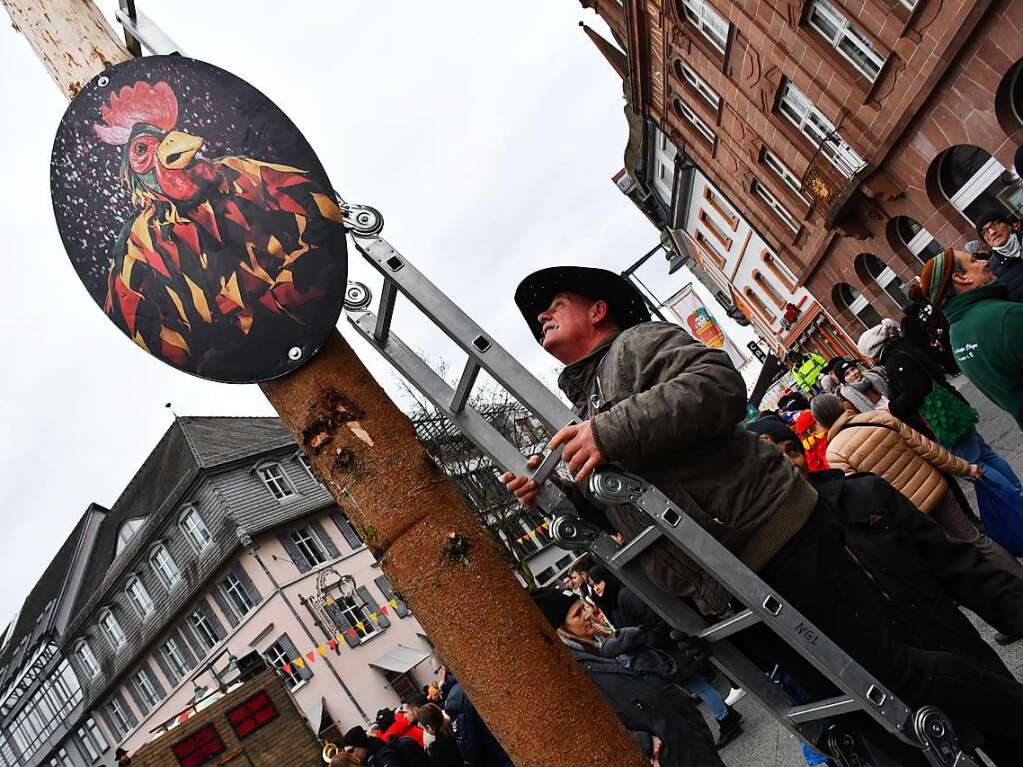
{"type": "Point", "coordinates": [157, 162]}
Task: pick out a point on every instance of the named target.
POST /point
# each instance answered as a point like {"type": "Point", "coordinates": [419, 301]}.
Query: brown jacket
{"type": "Point", "coordinates": [668, 408]}
{"type": "Point", "coordinates": [878, 442]}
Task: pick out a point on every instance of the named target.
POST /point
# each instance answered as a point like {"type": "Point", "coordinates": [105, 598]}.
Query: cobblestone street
{"type": "Point", "coordinates": [765, 743]}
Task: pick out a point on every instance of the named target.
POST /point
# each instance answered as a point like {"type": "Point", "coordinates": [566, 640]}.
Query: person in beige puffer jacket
{"type": "Point", "coordinates": [879, 443]}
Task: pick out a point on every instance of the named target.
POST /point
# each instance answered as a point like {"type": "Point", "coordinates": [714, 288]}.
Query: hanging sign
{"type": "Point", "coordinates": [199, 219]}
{"type": "Point", "coordinates": [702, 326]}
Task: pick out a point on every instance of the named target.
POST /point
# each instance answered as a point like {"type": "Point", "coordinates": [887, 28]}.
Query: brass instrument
{"type": "Point", "coordinates": [330, 750]}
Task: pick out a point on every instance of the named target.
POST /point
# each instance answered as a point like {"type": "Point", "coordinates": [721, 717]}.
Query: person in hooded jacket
{"type": "Point", "coordinates": [439, 739]}
{"type": "Point", "coordinates": [477, 745]}
{"type": "Point", "coordinates": [1004, 233]}
{"type": "Point", "coordinates": [638, 687]}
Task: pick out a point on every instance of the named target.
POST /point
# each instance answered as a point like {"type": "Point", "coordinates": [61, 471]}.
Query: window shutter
{"type": "Point", "coordinates": [294, 554]}
{"type": "Point", "coordinates": [160, 692]}
{"type": "Point", "coordinates": [137, 697]}
{"type": "Point", "coordinates": [345, 526]}
{"type": "Point", "coordinates": [341, 623]}
{"type": "Point", "coordinates": [111, 723]}
{"type": "Point", "coordinates": [218, 627]}
{"type": "Point", "coordinates": [132, 721]}
{"type": "Point", "coordinates": [328, 544]}
{"type": "Point", "coordinates": [221, 601]}
{"type": "Point", "coordinates": [382, 620]}
{"type": "Point", "coordinates": [165, 667]}
{"type": "Point", "coordinates": [399, 605]}
{"type": "Point", "coordinates": [292, 652]}
{"type": "Point", "coordinates": [250, 588]}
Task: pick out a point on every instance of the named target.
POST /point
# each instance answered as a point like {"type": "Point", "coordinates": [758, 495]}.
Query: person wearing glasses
{"type": "Point", "coordinates": [1002, 233]}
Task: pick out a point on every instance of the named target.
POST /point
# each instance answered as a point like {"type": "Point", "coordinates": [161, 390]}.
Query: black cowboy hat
{"type": "Point", "coordinates": [535, 293]}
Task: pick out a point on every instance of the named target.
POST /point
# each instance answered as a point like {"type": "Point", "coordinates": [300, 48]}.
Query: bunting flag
{"type": "Point", "coordinates": [383, 609]}
{"type": "Point", "coordinates": [361, 626]}
{"type": "Point", "coordinates": [374, 616]}
{"type": "Point", "coordinates": [351, 633]}
{"type": "Point", "coordinates": [340, 637]}
{"type": "Point", "coordinates": [393, 602]}
{"type": "Point", "coordinates": [311, 656]}
{"type": "Point", "coordinates": [332, 644]}
{"type": "Point", "coordinates": [286, 668]}
{"type": "Point", "coordinates": [299, 662]}
{"type": "Point", "coordinates": [522, 538]}
{"type": "Point", "coordinates": [322, 650]}
{"type": "Point", "coordinates": [329, 600]}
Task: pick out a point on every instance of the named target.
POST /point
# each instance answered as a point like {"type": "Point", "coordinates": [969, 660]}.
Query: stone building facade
{"type": "Point", "coordinates": [857, 136]}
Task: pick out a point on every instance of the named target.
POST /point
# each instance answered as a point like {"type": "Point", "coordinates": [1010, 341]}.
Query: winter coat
{"type": "Point", "coordinates": [911, 376]}
{"type": "Point", "coordinates": [669, 409]}
{"type": "Point", "coordinates": [631, 647]}
{"type": "Point", "coordinates": [400, 752]}
{"type": "Point", "coordinates": [878, 442]}
{"type": "Point", "coordinates": [478, 746]}
{"type": "Point", "coordinates": [921, 573]}
{"type": "Point", "coordinates": [986, 332]}
{"type": "Point", "coordinates": [443, 752]}
{"type": "Point", "coordinates": [808, 371]}
{"type": "Point", "coordinates": [649, 706]}
{"type": "Point", "coordinates": [403, 728]}
{"type": "Point", "coordinates": [1009, 271]}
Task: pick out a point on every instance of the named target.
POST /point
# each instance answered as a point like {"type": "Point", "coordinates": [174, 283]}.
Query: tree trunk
{"type": "Point", "coordinates": [520, 677]}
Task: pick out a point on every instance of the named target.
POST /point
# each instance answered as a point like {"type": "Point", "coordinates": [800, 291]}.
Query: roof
{"type": "Point", "coordinates": [191, 444]}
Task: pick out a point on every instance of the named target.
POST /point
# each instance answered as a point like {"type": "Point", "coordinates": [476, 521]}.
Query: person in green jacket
{"type": "Point", "coordinates": [806, 369]}
{"type": "Point", "coordinates": [985, 328]}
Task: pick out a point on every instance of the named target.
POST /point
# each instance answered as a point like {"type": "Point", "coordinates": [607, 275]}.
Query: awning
{"type": "Point", "coordinates": [400, 659]}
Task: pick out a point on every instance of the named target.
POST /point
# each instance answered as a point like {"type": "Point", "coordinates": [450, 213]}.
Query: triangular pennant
{"type": "Point", "coordinates": [322, 650]}
{"type": "Point", "coordinates": [311, 656]}
{"type": "Point", "coordinates": [360, 626]}
{"type": "Point", "coordinates": [332, 644]}
{"type": "Point", "coordinates": [374, 616]}
{"type": "Point", "coordinates": [286, 668]}
{"type": "Point", "coordinates": [394, 602]}
{"type": "Point", "coordinates": [340, 637]}
{"type": "Point", "coordinates": [299, 662]}
{"type": "Point", "coordinates": [383, 609]}
{"type": "Point", "coordinates": [351, 632]}
{"type": "Point", "coordinates": [545, 525]}
{"type": "Point", "coordinates": [328, 601]}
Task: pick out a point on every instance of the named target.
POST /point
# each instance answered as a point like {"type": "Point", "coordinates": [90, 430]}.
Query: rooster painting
{"type": "Point", "coordinates": [225, 256]}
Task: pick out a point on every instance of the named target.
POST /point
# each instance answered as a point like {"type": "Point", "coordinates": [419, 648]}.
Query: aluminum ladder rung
{"type": "Point", "coordinates": [646, 538]}
{"type": "Point", "coordinates": [730, 625]}
{"type": "Point", "coordinates": [465, 384]}
{"type": "Point", "coordinates": [382, 328]}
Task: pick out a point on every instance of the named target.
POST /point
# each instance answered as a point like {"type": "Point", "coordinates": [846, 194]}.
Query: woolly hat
{"type": "Point", "coordinates": [775, 428]}
{"type": "Point", "coordinates": [935, 279]}
{"type": "Point", "coordinates": [553, 603]}
{"type": "Point", "coordinates": [385, 718]}
{"type": "Point", "coordinates": [804, 423]}
{"type": "Point", "coordinates": [356, 738]}
{"type": "Point", "coordinates": [873, 339]}
{"type": "Point", "coordinates": [826, 408]}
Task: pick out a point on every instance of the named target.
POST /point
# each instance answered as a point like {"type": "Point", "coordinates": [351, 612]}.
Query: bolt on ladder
{"type": "Point", "coordinates": [928, 728]}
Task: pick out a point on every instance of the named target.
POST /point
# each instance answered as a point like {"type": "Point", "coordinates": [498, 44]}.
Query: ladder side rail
{"type": "Point", "coordinates": [725, 655]}
{"type": "Point", "coordinates": [776, 613]}
{"type": "Point", "coordinates": [461, 329]}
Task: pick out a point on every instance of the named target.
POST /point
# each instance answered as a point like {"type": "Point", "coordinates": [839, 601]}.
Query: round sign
{"type": "Point", "coordinates": [199, 219]}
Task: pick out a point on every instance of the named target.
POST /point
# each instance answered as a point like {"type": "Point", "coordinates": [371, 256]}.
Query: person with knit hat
{"type": "Point", "coordinates": [636, 681]}
{"type": "Point", "coordinates": [361, 748]}
{"type": "Point", "coordinates": [1002, 232]}
{"type": "Point", "coordinates": [985, 328]}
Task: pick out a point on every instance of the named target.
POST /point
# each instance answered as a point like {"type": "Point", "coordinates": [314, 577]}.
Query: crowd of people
{"type": "Point", "coordinates": [845, 500]}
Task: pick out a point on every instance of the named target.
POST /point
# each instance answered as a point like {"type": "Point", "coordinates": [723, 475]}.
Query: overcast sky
{"type": "Point", "coordinates": [486, 133]}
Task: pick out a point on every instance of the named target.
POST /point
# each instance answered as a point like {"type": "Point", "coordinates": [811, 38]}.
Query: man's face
{"type": "Point", "coordinates": [794, 452]}
{"type": "Point", "coordinates": [569, 327]}
{"type": "Point", "coordinates": [971, 271]}
{"type": "Point", "coordinates": [579, 621]}
{"type": "Point", "coordinates": [853, 375]}
{"type": "Point", "coordinates": [576, 578]}
{"type": "Point", "coordinates": [995, 233]}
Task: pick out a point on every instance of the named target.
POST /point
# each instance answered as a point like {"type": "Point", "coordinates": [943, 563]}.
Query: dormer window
{"type": "Point", "coordinates": [139, 597]}
{"type": "Point", "coordinates": [164, 566]}
{"type": "Point", "coordinates": [194, 527]}
{"type": "Point", "coordinates": [127, 532]}
{"type": "Point", "coordinates": [86, 659]}
{"type": "Point", "coordinates": [276, 480]}
{"type": "Point", "coordinates": [112, 630]}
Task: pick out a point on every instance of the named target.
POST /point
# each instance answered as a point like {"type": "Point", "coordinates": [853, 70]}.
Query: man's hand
{"type": "Point", "coordinates": [521, 486]}
{"type": "Point", "coordinates": [975, 472]}
{"type": "Point", "coordinates": [655, 760]}
{"type": "Point", "coordinates": [581, 454]}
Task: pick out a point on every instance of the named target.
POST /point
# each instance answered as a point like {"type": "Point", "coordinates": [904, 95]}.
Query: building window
{"type": "Point", "coordinates": [709, 22]}
{"type": "Point", "coordinates": [85, 744]}
{"type": "Point", "coordinates": [849, 41]}
{"type": "Point", "coordinates": [145, 688]}
{"type": "Point", "coordinates": [120, 717]}
{"type": "Point", "coordinates": [236, 592]}
{"type": "Point", "coordinates": [850, 298]}
{"type": "Point", "coordinates": [175, 657]}
{"type": "Point", "coordinates": [694, 120]}
{"type": "Point", "coordinates": [712, 227]}
{"type": "Point", "coordinates": [62, 759]}
{"type": "Point", "coordinates": [199, 748]}
{"type": "Point", "coordinates": [281, 655]}
{"type": "Point", "coordinates": [885, 278]}
{"type": "Point", "coordinates": [111, 630]}
{"type": "Point", "coordinates": [357, 616]}
{"type": "Point", "coordinates": [917, 240]}
{"type": "Point", "coordinates": [165, 566]}
{"type": "Point", "coordinates": [98, 738]}
{"type": "Point", "coordinates": [86, 659]}
{"type": "Point", "coordinates": [275, 480]}
{"type": "Point", "coordinates": [204, 629]}
{"type": "Point", "coordinates": [769, 289]}
{"type": "Point", "coordinates": [812, 123]}
{"type": "Point", "coordinates": [976, 183]}
{"type": "Point", "coordinates": [688, 75]}
{"type": "Point", "coordinates": [195, 529]}
{"type": "Point", "coordinates": [766, 316]}
{"type": "Point", "coordinates": [721, 207]}
{"type": "Point", "coordinates": [712, 249]}
{"type": "Point", "coordinates": [127, 532]}
{"type": "Point", "coordinates": [306, 542]}
{"type": "Point", "coordinates": [139, 598]}
{"type": "Point", "coordinates": [781, 170]}
{"type": "Point", "coordinates": [776, 207]}
{"type": "Point", "coordinates": [779, 270]}
{"type": "Point", "coordinates": [254, 713]}
{"type": "Point", "coordinates": [306, 465]}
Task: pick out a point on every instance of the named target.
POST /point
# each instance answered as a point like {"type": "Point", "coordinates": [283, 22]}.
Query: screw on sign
{"type": "Point", "coordinates": [199, 219]}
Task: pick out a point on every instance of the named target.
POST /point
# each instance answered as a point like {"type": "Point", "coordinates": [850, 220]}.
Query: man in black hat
{"type": "Point", "coordinates": [666, 407]}
{"type": "Point", "coordinates": [373, 752]}
{"type": "Point", "coordinates": [1002, 233]}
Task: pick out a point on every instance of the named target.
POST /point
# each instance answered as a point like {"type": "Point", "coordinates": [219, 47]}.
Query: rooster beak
{"type": "Point", "coordinates": [177, 149]}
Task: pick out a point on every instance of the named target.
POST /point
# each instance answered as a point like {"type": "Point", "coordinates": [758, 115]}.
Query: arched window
{"type": "Point", "coordinates": [194, 528]}
{"type": "Point", "coordinates": [758, 305]}
{"type": "Point", "coordinates": [1009, 97]}
{"type": "Point", "coordinates": [885, 278]}
{"type": "Point", "coordinates": [976, 183]}
{"type": "Point", "coordinates": [86, 658]}
{"type": "Point", "coordinates": [127, 532]}
{"type": "Point", "coordinates": [779, 270]}
{"type": "Point", "coordinates": [917, 240]}
{"type": "Point", "coordinates": [769, 289]}
{"type": "Point", "coordinates": [139, 597]}
{"type": "Point", "coordinates": [111, 629]}
{"type": "Point", "coordinates": [164, 566]}
{"type": "Point", "coordinates": [848, 297]}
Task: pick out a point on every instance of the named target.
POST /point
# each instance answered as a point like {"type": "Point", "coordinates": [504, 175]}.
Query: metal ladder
{"type": "Point", "coordinates": [928, 728]}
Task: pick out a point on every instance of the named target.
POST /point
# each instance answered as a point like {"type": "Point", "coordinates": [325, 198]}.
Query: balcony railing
{"type": "Point", "coordinates": [832, 176]}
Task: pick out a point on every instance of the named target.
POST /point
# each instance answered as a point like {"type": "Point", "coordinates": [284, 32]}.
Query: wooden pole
{"type": "Point", "coordinates": [521, 678]}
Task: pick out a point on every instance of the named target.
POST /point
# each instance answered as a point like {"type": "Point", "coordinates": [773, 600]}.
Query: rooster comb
{"type": "Point", "coordinates": [141, 103]}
